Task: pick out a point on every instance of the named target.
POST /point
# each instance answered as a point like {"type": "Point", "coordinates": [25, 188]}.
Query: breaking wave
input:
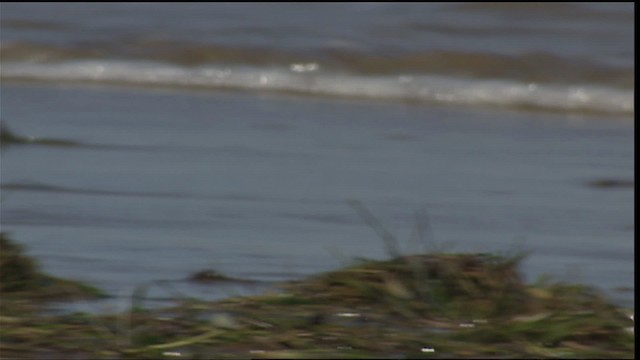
{"type": "Point", "coordinates": [306, 79]}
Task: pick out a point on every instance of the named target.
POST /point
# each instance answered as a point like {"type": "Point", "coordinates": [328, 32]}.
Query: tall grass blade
{"type": "Point", "coordinates": [390, 241]}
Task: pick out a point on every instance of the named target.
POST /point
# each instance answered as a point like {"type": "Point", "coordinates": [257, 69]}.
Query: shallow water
{"type": "Point", "coordinates": [257, 186]}
{"type": "Point", "coordinates": [214, 141]}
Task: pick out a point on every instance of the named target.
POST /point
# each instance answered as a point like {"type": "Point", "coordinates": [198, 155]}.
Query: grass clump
{"type": "Point", "coordinates": [441, 283]}
{"type": "Point", "coordinates": [17, 271]}
{"type": "Point", "coordinates": [419, 306]}
{"type": "Point", "coordinates": [434, 305]}
{"type": "Point", "coordinates": [21, 277]}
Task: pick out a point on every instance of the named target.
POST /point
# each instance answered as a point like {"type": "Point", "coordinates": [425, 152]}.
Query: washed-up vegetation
{"type": "Point", "coordinates": [23, 283]}
{"type": "Point", "coordinates": [419, 306]}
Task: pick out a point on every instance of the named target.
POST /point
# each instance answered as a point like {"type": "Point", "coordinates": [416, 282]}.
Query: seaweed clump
{"type": "Point", "coordinates": [17, 271]}
{"type": "Point", "coordinates": [21, 277]}
{"type": "Point", "coordinates": [438, 285]}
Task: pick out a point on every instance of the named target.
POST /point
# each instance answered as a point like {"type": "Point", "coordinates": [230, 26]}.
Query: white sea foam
{"type": "Point", "coordinates": [412, 88]}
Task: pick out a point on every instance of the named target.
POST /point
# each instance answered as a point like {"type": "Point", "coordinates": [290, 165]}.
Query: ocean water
{"type": "Point", "coordinates": [234, 136]}
{"type": "Point", "coordinates": [556, 57]}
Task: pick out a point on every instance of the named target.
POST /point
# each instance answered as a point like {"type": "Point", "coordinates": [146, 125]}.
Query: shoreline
{"type": "Point", "coordinates": [432, 305]}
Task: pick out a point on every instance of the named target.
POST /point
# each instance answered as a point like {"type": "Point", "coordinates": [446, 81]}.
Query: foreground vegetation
{"type": "Point", "coordinates": [421, 306]}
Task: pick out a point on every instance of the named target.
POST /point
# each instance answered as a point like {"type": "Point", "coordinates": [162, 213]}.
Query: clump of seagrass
{"type": "Point", "coordinates": [451, 305]}
{"type": "Point", "coordinates": [452, 285]}
{"type": "Point", "coordinates": [17, 271]}
{"type": "Point", "coordinates": [20, 276]}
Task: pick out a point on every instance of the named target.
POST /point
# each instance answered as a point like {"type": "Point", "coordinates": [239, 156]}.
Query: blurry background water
{"type": "Point", "coordinates": [231, 135]}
